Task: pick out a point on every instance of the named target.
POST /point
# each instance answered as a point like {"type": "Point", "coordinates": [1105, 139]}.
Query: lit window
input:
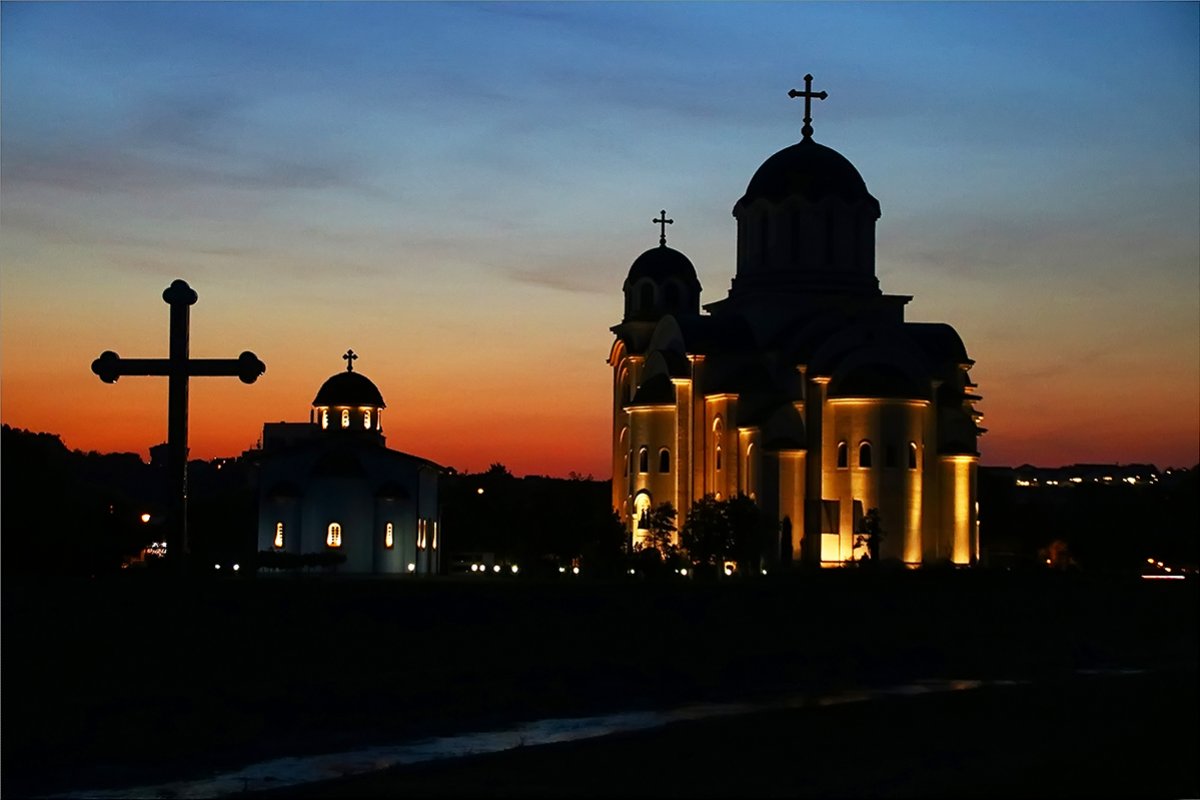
{"type": "Point", "coordinates": [333, 536]}
{"type": "Point", "coordinates": [420, 534]}
{"type": "Point", "coordinates": [864, 454]}
{"type": "Point", "coordinates": [644, 460]}
{"type": "Point", "coordinates": [912, 455]}
{"type": "Point", "coordinates": [388, 536]}
{"type": "Point", "coordinates": [718, 459]}
{"type": "Point", "coordinates": [324, 418]}
{"type": "Point", "coordinates": [843, 455]}
{"type": "Point", "coordinates": [279, 534]}
{"type": "Point", "coordinates": [367, 419]}
{"type": "Point", "coordinates": [345, 418]}
{"type": "Point", "coordinates": [434, 546]}
{"type": "Point", "coordinates": [664, 460]}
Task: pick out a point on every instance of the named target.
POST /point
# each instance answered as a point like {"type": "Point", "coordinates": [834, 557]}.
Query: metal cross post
{"type": "Point", "coordinates": [350, 358]}
{"type": "Point", "coordinates": [663, 222]}
{"type": "Point", "coordinates": [808, 94]}
{"type": "Point", "coordinates": [178, 368]}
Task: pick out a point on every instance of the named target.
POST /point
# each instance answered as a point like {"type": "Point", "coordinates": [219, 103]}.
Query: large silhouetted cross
{"type": "Point", "coordinates": [808, 94]}
{"type": "Point", "coordinates": [663, 222]}
{"type": "Point", "coordinates": [178, 368]}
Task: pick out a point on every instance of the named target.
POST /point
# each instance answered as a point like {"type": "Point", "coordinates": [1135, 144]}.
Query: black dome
{"type": "Point", "coordinates": [810, 170]}
{"type": "Point", "coordinates": [349, 389]}
{"type": "Point", "coordinates": [877, 380]}
{"type": "Point", "coordinates": [662, 262]}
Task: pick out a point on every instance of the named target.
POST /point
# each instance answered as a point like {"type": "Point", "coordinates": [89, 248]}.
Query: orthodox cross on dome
{"type": "Point", "coordinates": [808, 94]}
{"type": "Point", "coordinates": [350, 357]}
{"type": "Point", "coordinates": [178, 368]}
{"type": "Point", "coordinates": [663, 222]}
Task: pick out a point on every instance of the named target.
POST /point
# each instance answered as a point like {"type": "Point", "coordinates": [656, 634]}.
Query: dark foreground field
{"type": "Point", "coordinates": [124, 682]}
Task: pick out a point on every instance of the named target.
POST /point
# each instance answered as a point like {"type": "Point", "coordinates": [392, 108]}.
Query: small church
{"type": "Point", "coordinates": [805, 388]}
{"type": "Point", "coordinates": [332, 486]}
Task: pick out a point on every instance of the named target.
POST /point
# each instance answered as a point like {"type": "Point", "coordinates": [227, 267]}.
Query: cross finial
{"type": "Point", "coordinates": [808, 94]}
{"type": "Point", "coordinates": [663, 222]}
{"type": "Point", "coordinates": [350, 357]}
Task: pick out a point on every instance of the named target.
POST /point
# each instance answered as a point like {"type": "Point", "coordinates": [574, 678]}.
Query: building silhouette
{"type": "Point", "coordinates": [331, 486]}
{"type": "Point", "coordinates": [804, 388]}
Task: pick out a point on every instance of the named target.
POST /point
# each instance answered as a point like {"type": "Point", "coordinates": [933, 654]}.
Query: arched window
{"type": "Point", "coordinates": [367, 418]}
{"type": "Point", "coordinates": [389, 538]}
{"type": "Point", "coordinates": [345, 418]}
{"type": "Point", "coordinates": [749, 472]}
{"type": "Point", "coordinates": [646, 297]}
{"type": "Point", "coordinates": [864, 454]}
{"type": "Point", "coordinates": [843, 455]}
{"type": "Point", "coordinates": [664, 460]}
{"type": "Point", "coordinates": [641, 504]}
{"type": "Point", "coordinates": [671, 296]}
{"type": "Point", "coordinates": [912, 455]}
{"type": "Point", "coordinates": [278, 534]}
{"type": "Point", "coordinates": [644, 460]}
{"type": "Point", "coordinates": [333, 535]}
{"type": "Point", "coordinates": [764, 242]}
{"type": "Point", "coordinates": [718, 440]}
{"type": "Point", "coordinates": [435, 527]}
{"type": "Point", "coordinates": [324, 418]}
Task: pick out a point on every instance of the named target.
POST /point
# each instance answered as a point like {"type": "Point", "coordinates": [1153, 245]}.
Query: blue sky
{"type": "Point", "coordinates": [456, 191]}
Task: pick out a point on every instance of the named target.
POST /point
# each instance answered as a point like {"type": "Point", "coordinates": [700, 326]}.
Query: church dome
{"type": "Point", "coordinates": [809, 170]}
{"type": "Point", "coordinates": [660, 263]}
{"type": "Point", "coordinates": [349, 389]}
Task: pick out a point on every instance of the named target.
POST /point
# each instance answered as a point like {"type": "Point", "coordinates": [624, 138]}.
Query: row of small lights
{"type": "Point", "coordinates": [1132, 481]}
{"type": "Point", "coordinates": [482, 568]}
{"type": "Point", "coordinates": [1169, 576]}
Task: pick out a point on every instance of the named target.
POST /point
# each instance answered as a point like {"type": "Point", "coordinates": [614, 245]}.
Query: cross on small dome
{"type": "Point", "coordinates": [808, 94]}
{"type": "Point", "coordinates": [663, 222]}
{"type": "Point", "coordinates": [350, 358]}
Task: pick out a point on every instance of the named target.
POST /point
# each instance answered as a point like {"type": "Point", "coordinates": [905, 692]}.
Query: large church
{"type": "Point", "coordinates": [804, 388]}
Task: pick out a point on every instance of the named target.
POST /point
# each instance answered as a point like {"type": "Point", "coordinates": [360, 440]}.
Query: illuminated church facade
{"type": "Point", "coordinates": [804, 388]}
{"type": "Point", "coordinates": [332, 486]}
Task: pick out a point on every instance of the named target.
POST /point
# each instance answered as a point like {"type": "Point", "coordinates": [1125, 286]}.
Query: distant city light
{"type": "Point", "coordinates": [413, 567]}
{"type": "Point", "coordinates": [236, 567]}
{"type": "Point", "coordinates": [515, 569]}
{"type": "Point", "coordinates": [479, 490]}
{"type": "Point", "coordinates": [474, 568]}
{"type": "Point", "coordinates": [575, 570]}
{"type": "Point", "coordinates": [562, 569]}
{"type": "Point", "coordinates": [496, 568]}
{"type": "Point", "coordinates": [145, 517]}
{"type": "Point", "coordinates": [683, 571]}
{"type": "Point", "coordinates": [216, 566]}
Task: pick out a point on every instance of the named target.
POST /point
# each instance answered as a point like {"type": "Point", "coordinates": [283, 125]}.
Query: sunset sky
{"type": "Point", "coordinates": [456, 192]}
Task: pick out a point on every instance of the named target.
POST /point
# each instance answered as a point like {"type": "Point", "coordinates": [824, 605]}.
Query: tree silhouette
{"type": "Point", "coordinates": [707, 535]}
{"type": "Point", "coordinates": [870, 534]}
